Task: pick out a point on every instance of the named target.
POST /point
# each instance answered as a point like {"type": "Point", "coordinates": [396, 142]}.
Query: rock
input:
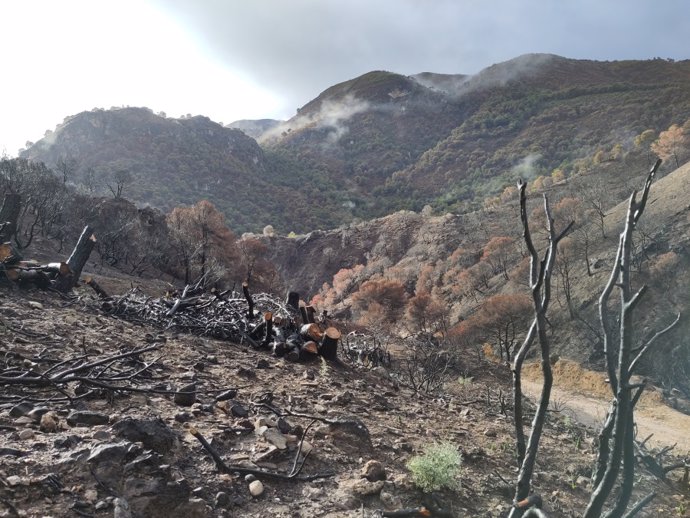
{"type": "Point", "coordinates": [183, 417]}
{"type": "Point", "coordinates": [154, 434]}
{"type": "Point", "coordinates": [276, 438]}
{"type": "Point", "coordinates": [239, 411]}
{"type": "Point", "coordinates": [121, 508]}
{"type": "Point", "coordinates": [111, 452]}
{"type": "Point", "coordinates": [263, 364]}
{"type": "Point", "coordinates": [34, 305]}
{"type": "Point", "coordinates": [186, 396]}
{"type": "Point", "coordinates": [344, 399]}
{"type": "Point", "coordinates": [21, 409]}
{"type": "Point", "coordinates": [373, 471]}
{"type": "Point", "coordinates": [362, 487]}
{"type": "Point", "coordinates": [490, 432]}
{"type": "Point", "coordinates": [194, 508]}
{"type": "Point", "coordinates": [102, 435]}
{"type": "Point", "coordinates": [37, 413]}
{"type": "Point", "coordinates": [49, 422]}
{"type": "Point", "coordinates": [91, 495]}
{"type": "Point", "coordinates": [389, 500]}
{"type": "Point", "coordinates": [23, 420]}
{"type": "Point", "coordinates": [13, 480]}
{"type": "Point", "coordinates": [249, 477]}
{"type": "Point", "coordinates": [86, 418]}
{"type": "Point", "coordinates": [256, 488]}
{"type": "Point", "coordinates": [243, 372]}
{"type": "Point", "coordinates": [222, 499]}
{"type": "Point", "coordinates": [102, 505]}
{"type": "Point", "coordinates": [67, 442]}
{"type": "Point", "coordinates": [284, 426]}
{"type": "Point", "coordinates": [313, 493]}
{"type": "Point", "coordinates": [27, 434]}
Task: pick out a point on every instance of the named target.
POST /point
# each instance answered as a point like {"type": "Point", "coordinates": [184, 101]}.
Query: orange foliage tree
{"type": "Point", "coordinates": [503, 318]}
{"type": "Point", "coordinates": [497, 253]}
{"type": "Point", "coordinates": [201, 240]}
{"type": "Point", "coordinates": [380, 302]}
{"type": "Point", "coordinates": [670, 143]}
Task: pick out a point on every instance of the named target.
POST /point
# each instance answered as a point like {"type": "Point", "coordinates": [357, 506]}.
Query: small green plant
{"type": "Point", "coordinates": [437, 468]}
{"type": "Point", "coordinates": [465, 381]}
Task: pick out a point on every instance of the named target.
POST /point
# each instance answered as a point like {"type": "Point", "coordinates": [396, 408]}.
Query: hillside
{"type": "Point", "coordinates": [131, 452]}
{"type": "Point", "coordinates": [382, 141]}
{"type": "Point", "coordinates": [447, 258]}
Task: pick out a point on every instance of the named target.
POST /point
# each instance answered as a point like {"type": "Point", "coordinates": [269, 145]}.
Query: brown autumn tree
{"type": "Point", "coordinates": [504, 318]}
{"type": "Point", "coordinates": [379, 302]}
{"type": "Point", "coordinates": [426, 313]}
{"type": "Point", "coordinates": [497, 253]}
{"type": "Point", "coordinates": [202, 242]}
{"type": "Point", "coordinates": [670, 143]}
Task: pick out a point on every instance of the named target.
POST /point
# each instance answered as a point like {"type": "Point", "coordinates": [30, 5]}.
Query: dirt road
{"type": "Point", "coordinates": [588, 405]}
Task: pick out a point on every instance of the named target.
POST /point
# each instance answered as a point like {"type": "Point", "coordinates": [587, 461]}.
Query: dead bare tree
{"type": "Point", "coordinates": [616, 440]}
{"type": "Point", "coordinates": [541, 272]}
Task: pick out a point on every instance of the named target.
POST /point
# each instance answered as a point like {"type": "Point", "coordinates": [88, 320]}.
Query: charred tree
{"type": "Point", "coordinates": [9, 215]}
{"type": "Point", "coordinates": [541, 272]}
{"type": "Point", "coordinates": [616, 440]}
{"type": "Point", "coordinates": [77, 260]}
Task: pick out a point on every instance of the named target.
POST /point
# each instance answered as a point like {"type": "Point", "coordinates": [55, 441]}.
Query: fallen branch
{"type": "Point", "coordinates": [231, 469]}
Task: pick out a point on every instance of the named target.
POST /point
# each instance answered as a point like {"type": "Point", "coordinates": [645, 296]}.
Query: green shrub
{"type": "Point", "coordinates": [437, 468]}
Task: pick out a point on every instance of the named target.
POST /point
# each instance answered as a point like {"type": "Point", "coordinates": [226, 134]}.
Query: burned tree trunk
{"type": "Point", "coordinates": [250, 300]}
{"type": "Point", "coordinates": [329, 344]}
{"type": "Point", "coordinates": [293, 300]}
{"type": "Point", "coordinates": [616, 441]}
{"type": "Point", "coordinates": [9, 214]}
{"type": "Point", "coordinates": [77, 260]}
{"type": "Point", "coordinates": [540, 286]}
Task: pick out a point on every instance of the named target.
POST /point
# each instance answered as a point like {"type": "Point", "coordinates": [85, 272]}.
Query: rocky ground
{"type": "Point", "coordinates": [128, 453]}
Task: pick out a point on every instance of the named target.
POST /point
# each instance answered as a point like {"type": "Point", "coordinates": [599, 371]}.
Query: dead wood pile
{"type": "Point", "coordinates": [261, 321]}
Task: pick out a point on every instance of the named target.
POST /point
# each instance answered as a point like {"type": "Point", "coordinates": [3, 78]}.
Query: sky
{"type": "Point", "coordinates": [254, 59]}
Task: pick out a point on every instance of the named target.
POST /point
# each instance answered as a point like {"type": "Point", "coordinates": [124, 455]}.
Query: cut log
{"type": "Point", "coordinates": [329, 344]}
{"type": "Point", "coordinates": [9, 214]}
{"type": "Point", "coordinates": [61, 269]}
{"type": "Point", "coordinates": [293, 346]}
{"type": "Point", "coordinates": [303, 312]}
{"type": "Point", "coordinates": [9, 254]}
{"type": "Point", "coordinates": [268, 335]}
{"type": "Point", "coordinates": [102, 294]}
{"type": "Point", "coordinates": [293, 300]}
{"type": "Point", "coordinates": [311, 332]}
{"type": "Point", "coordinates": [311, 312]}
{"type": "Point", "coordinates": [26, 278]}
{"type": "Point", "coordinates": [310, 347]}
{"type": "Point", "coordinates": [77, 260]}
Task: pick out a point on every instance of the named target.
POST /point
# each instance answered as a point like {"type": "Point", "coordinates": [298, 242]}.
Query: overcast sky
{"type": "Point", "coordinates": [238, 59]}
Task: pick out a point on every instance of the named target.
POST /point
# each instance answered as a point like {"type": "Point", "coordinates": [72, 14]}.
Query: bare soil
{"type": "Point", "coordinates": [96, 470]}
{"type": "Point", "coordinates": [584, 396]}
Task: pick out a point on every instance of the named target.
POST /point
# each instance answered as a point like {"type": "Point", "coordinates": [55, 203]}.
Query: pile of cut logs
{"type": "Point", "coordinates": [288, 329]}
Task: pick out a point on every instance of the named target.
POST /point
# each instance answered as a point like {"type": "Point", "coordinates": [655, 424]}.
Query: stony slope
{"type": "Point", "coordinates": [110, 452]}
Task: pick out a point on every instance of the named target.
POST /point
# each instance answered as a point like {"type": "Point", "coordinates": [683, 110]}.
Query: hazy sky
{"type": "Point", "coordinates": [236, 59]}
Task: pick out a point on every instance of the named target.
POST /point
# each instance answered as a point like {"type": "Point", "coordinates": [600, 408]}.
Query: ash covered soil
{"type": "Point", "coordinates": [75, 451]}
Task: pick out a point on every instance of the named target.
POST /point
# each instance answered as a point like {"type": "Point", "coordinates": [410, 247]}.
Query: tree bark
{"type": "Point", "coordinates": [329, 344]}
{"type": "Point", "coordinates": [293, 300]}
{"type": "Point", "coordinates": [9, 214]}
{"type": "Point", "coordinates": [77, 260]}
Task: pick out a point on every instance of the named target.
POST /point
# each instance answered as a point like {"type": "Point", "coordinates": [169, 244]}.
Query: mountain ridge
{"type": "Point", "coordinates": [382, 141]}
